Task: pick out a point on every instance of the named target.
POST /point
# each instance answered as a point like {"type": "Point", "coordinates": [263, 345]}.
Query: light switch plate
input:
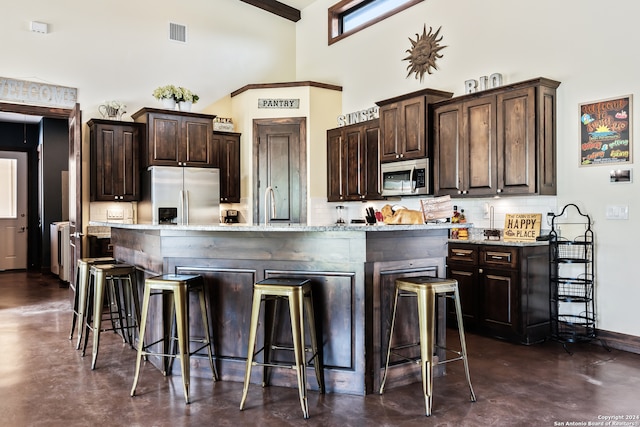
{"type": "Point", "coordinates": [617, 212]}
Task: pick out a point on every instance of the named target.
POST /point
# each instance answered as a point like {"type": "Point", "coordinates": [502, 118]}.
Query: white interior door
{"type": "Point", "coordinates": [13, 210]}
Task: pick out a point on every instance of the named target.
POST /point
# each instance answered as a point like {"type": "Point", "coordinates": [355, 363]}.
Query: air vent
{"type": "Point", "coordinates": [177, 32]}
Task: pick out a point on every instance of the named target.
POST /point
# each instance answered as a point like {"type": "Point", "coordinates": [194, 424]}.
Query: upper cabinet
{"type": "Point", "coordinates": [115, 147]}
{"type": "Point", "coordinates": [176, 138]}
{"type": "Point", "coordinates": [404, 124]}
{"type": "Point", "coordinates": [497, 142]}
{"type": "Point", "coordinates": [227, 147]}
{"type": "Point", "coordinates": [353, 164]}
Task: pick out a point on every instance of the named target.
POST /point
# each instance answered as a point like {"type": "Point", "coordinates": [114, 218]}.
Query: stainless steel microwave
{"type": "Point", "coordinates": [405, 178]}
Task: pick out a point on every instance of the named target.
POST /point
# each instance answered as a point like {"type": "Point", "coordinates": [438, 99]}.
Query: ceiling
{"type": "Point", "coordinates": [19, 118]}
{"type": "Point", "coordinates": [278, 7]}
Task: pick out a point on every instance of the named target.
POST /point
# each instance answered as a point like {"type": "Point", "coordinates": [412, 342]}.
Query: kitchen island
{"type": "Point", "coordinates": [352, 269]}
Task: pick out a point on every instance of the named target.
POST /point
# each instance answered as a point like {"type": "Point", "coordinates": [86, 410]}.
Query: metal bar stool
{"type": "Point", "coordinates": [179, 285]}
{"type": "Point", "coordinates": [298, 293]}
{"type": "Point", "coordinates": [426, 289]}
{"type": "Point", "coordinates": [80, 294]}
{"type": "Point", "coordinates": [103, 285]}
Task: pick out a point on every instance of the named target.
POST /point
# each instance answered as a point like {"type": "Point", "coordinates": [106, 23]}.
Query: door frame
{"type": "Point", "coordinates": [301, 122]}
{"type": "Point", "coordinates": [53, 113]}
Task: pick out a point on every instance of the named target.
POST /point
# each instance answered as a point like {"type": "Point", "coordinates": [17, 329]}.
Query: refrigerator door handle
{"type": "Point", "coordinates": [185, 208]}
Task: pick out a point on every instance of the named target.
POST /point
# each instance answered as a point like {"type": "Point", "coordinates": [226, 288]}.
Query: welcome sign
{"type": "Point", "coordinates": [48, 95]}
{"type": "Point", "coordinates": [522, 227]}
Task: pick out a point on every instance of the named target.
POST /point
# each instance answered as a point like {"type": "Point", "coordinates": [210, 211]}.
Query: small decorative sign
{"type": "Point", "coordinates": [33, 93]}
{"type": "Point", "coordinates": [359, 116]}
{"type": "Point", "coordinates": [605, 131]}
{"type": "Point", "coordinates": [522, 227]}
{"type": "Point", "coordinates": [484, 83]}
{"type": "Point", "coordinates": [278, 103]}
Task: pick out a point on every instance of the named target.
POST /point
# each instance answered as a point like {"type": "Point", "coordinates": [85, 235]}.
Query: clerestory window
{"type": "Point", "coordinates": [350, 16]}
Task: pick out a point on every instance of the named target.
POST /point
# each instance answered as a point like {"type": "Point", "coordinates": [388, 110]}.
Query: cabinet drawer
{"type": "Point", "coordinates": [467, 254]}
{"type": "Point", "coordinates": [499, 256]}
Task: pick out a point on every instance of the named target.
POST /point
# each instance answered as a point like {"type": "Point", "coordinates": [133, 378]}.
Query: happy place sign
{"type": "Point", "coordinates": [522, 227]}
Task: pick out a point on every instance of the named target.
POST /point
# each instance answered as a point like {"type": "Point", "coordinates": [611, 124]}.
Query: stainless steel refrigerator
{"type": "Point", "coordinates": [180, 195]}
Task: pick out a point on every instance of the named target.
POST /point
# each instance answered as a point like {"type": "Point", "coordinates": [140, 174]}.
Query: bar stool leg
{"type": "Point", "coordinates": [393, 323]}
{"type": "Point", "coordinates": [463, 345]}
{"type": "Point", "coordinates": [76, 305]}
{"type": "Point", "coordinates": [143, 327]}
{"type": "Point", "coordinates": [99, 289]}
{"type": "Point", "coordinates": [207, 334]}
{"type": "Point", "coordinates": [253, 328]}
{"type": "Point", "coordinates": [297, 331]}
{"type": "Point", "coordinates": [317, 350]}
{"type": "Point", "coordinates": [426, 320]}
{"type": "Point", "coordinates": [182, 326]}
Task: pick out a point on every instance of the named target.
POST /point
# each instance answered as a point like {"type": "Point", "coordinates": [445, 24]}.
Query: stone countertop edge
{"type": "Point", "coordinates": [285, 228]}
{"type": "Point", "coordinates": [500, 242]}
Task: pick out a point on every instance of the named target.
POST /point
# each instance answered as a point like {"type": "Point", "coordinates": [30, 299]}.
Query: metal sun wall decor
{"type": "Point", "coordinates": [424, 52]}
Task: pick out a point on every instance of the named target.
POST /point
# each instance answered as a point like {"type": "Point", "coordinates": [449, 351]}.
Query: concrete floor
{"type": "Point", "coordinates": [44, 381]}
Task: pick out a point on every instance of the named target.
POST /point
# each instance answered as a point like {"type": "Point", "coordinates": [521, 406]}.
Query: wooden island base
{"type": "Point", "coordinates": [352, 270]}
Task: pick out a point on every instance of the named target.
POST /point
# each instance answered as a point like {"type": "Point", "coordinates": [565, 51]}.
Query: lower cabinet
{"type": "Point", "coordinates": [504, 290]}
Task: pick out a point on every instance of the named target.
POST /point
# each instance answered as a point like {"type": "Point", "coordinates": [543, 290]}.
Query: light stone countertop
{"type": "Point", "coordinates": [281, 227]}
{"type": "Point", "coordinates": [499, 242]}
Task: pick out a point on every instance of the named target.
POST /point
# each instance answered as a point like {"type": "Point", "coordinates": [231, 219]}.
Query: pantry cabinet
{"type": "Point", "coordinates": [404, 124]}
{"type": "Point", "coordinates": [115, 170]}
{"type": "Point", "coordinates": [497, 142]}
{"type": "Point", "coordinates": [353, 163]}
{"type": "Point", "coordinates": [226, 146]}
{"type": "Point", "coordinates": [504, 289]}
{"type": "Point", "coordinates": [176, 138]}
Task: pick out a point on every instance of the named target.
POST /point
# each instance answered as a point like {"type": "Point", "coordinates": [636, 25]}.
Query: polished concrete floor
{"type": "Point", "coordinates": [45, 382]}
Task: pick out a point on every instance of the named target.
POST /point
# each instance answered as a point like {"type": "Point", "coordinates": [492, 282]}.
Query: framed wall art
{"type": "Point", "coordinates": [605, 131]}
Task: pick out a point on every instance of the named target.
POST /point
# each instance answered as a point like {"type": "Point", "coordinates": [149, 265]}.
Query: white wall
{"type": "Point", "coordinates": [586, 44]}
{"type": "Point", "coordinates": [119, 50]}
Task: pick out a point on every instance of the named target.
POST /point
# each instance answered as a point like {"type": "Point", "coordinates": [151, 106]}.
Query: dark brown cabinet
{"type": "Point", "coordinates": [504, 290]}
{"type": "Point", "coordinates": [497, 142]}
{"type": "Point", "coordinates": [177, 138]}
{"type": "Point", "coordinates": [226, 146]}
{"type": "Point", "coordinates": [404, 125]}
{"type": "Point", "coordinates": [353, 165]}
{"type": "Point", "coordinates": [115, 165]}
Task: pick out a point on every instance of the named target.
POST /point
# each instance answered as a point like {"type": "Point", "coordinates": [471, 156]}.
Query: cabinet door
{"type": "Point", "coordinates": [480, 142]}
{"type": "Point", "coordinates": [403, 128]}
{"type": "Point", "coordinates": [115, 165]}
{"type": "Point", "coordinates": [449, 150]}
{"type": "Point", "coordinates": [516, 147]}
{"type": "Point", "coordinates": [500, 302]}
{"type": "Point", "coordinates": [371, 181]}
{"type": "Point", "coordinates": [353, 167]}
{"type": "Point", "coordinates": [226, 149]}
{"type": "Point", "coordinates": [468, 289]}
{"type": "Point", "coordinates": [334, 165]}
{"type": "Point", "coordinates": [196, 148]}
{"type": "Point", "coordinates": [164, 140]}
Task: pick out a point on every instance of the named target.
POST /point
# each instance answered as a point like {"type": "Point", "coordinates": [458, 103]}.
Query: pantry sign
{"type": "Point", "coordinates": [522, 227]}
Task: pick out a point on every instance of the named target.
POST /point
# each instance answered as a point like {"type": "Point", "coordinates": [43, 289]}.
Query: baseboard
{"type": "Point", "coordinates": [630, 343]}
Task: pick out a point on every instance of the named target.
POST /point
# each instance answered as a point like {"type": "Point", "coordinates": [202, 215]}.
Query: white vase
{"type": "Point", "coordinates": [169, 103]}
{"type": "Point", "coordinates": [185, 105]}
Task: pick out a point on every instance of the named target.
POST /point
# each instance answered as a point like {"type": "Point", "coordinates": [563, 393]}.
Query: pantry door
{"type": "Point", "coordinates": [13, 210]}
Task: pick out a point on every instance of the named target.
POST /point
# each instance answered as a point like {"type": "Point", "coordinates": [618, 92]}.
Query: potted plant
{"type": "Point", "coordinates": [168, 94]}
{"type": "Point", "coordinates": [186, 98]}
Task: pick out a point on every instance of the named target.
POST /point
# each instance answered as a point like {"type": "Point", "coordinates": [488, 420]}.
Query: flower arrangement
{"type": "Point", "coordinates": [185, 95]}
{"type": "Point", "coordinates": [177, 93]}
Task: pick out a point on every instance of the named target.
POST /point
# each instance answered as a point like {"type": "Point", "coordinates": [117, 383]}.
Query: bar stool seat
{"type": "Point", "coordinates": [426, 289]}
{"type": "Point", "coordinates": [80, 294]}
{"type": "Point", "coordinates": [179, 285]}
{"type": "Point", "coordinates": [104, 281]}
{"type": "Point", "coordinates": [298, 293]}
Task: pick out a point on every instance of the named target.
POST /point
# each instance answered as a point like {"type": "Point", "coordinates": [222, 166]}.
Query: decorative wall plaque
{"type": "Point", "coordinates": [424, 52]}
